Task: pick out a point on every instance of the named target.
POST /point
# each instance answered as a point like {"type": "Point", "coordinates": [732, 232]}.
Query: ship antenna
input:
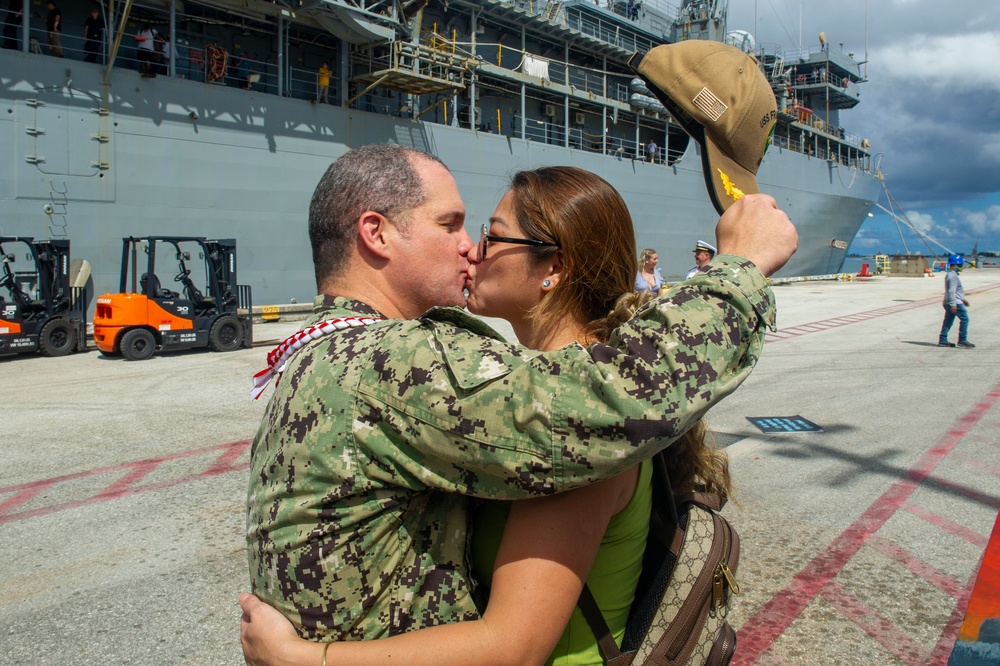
{"type": "Point", "coordinates": [866, 40]}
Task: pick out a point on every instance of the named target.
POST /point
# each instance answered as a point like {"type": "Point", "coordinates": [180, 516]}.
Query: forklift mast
{"type": "Point", "coordinates": [50, 261]}
{"type": "Point", "coordinates": [222, 264]}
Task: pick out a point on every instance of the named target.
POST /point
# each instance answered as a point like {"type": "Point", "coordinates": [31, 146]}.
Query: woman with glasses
{"type": "Point", "coordinates": [556, 260]}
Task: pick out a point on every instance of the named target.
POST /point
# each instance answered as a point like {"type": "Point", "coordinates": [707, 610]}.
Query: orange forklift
{"type": "Point", "coordinates": [145, 317]}
{"type": "Point", "coordinates": [39, 309]}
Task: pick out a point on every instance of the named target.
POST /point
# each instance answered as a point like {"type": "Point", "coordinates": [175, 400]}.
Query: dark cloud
{"type": "Point", "coordinates": [931, 106]}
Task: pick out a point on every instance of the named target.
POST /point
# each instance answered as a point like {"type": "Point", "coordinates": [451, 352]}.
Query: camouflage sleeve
{"type": "Point", "coordinates": [471, 415]}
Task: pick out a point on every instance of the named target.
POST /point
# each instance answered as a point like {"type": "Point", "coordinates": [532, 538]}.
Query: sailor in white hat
{"type": "Point", "coordinates": [703, 253]}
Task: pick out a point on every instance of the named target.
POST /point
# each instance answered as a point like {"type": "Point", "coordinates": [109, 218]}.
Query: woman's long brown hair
{"type": "Point", "coordinates": [587, 219]}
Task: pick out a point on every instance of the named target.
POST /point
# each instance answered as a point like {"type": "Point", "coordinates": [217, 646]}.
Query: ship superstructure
{"type": "Point", "coordinates": [231, 136]}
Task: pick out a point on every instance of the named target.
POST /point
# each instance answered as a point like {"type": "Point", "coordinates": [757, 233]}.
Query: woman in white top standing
{"type": "Point", "coordinates": [648, 278]}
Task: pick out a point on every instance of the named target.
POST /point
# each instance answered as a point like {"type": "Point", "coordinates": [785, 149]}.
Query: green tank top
{"type": "Point", "coordinates": [612, 579]}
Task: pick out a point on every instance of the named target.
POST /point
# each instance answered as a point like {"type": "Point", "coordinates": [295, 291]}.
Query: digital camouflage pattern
{"type": "Point", "coordinates": [376, 438]}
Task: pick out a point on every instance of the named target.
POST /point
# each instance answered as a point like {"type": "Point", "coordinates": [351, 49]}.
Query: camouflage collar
{"type": "Point", "coordinates": [278, 356]}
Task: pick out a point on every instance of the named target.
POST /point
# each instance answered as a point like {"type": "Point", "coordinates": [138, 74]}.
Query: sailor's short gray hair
{"type": "Point", "coordinates": [376, 177]}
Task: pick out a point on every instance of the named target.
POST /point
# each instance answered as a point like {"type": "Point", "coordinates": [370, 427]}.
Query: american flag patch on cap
{"type": "Point", "coordinates": [709, 104]}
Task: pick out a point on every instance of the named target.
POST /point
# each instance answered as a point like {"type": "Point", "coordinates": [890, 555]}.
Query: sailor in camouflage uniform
{"type": "Point", "coordinates": [380, 433]}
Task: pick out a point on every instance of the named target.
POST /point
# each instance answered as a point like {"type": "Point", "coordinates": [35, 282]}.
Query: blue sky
{"type": "Point", "coordinates": [931, 107]}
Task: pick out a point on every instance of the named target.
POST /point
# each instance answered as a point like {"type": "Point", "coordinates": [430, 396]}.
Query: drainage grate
{"type": "Point", "coordinates": [795, 423]}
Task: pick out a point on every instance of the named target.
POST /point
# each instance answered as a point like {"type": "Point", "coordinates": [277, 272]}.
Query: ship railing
{"type": "Point", "coordinates": [635, 10]}
{"type": "Point", "coordinates": [839, 153]}
{"type": "Point", "coordinates": [578, 138]}
{"type": "Point", "coordinates": [792, 55]}
{"type": "Point", "coordinates": [836, 131]}
{"type": "Point", "coordinates": [607, 31]}
{"type": "Point", "coordinates": [189, 63]}
{"type": "Point", "coordinates": [819, 76]}
{"type": "Point", "coordinates": [594, 26]}
{"type": "Point", "coordinates": [587, 79]}
{"type": "Point", "coordinates": [304, 84]}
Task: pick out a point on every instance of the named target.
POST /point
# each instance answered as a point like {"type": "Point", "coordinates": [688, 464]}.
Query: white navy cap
{"type": "Point", "coordinates": [702, 246]}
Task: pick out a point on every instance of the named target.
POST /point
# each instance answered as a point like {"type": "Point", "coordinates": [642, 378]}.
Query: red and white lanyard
{"type": "Point", "coordinates": [278, 356]}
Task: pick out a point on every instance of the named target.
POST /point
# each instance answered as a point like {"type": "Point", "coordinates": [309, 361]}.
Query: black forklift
{"type": "Point", "coordinates": [39, 309]}
{"type": "Point", "coordinates": [145, 316]}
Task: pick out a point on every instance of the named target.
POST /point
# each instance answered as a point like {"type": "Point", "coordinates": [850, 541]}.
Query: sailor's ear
{"type": "Point", "coordinates": [373, 231]}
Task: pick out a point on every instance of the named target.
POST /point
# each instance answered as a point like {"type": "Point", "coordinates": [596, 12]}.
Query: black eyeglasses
{"type": "Point", "coordinates": [485, 239]}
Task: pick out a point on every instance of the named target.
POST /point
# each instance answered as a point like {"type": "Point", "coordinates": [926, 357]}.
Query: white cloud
{"type": "Point", "coordinates": [923, 222]}
{"type": "Point", "coordinates": [966, 62]}
{"type": "Point", "coordinates": [866, 242]}
{"type": "Point", "coordinates": [980, 222]}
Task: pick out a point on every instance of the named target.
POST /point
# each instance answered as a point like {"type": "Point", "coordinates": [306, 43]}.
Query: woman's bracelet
{"type": "Point", "coordinates": [326, 647]}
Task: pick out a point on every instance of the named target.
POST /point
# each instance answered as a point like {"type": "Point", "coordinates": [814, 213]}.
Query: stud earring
{"type": "Point", "coordinates": [547, 283]}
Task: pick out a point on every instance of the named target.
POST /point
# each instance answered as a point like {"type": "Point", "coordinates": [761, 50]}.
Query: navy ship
{"type": "Point", "coordinates": [224, 126]}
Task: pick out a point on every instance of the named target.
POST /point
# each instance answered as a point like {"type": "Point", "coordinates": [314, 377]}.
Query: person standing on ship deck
{"type": "Point", "coordinates": [12, 19]}
{"type": "Point", "coordinates": [93, 33]}
{"type": "Point", "coordinates": [54, 26]}
{"type": "Point", "coordinates": [146, 50]}
{"type": "Point", "coordinates": [323, 83]}
{"type": "Point", "coordinates": [652, 150]}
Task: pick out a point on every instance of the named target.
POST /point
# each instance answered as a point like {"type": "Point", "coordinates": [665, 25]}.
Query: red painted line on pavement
{"type": "Point", "coordinates": [946, 524]}
{"type": "Point", "coordinates": [22, 497]}
{"type": "Point", "coordinates": [121, 486]}
{"type": "Point", "coordinates": [124, 486]}
{"type": "Point", "coordinates": [845, 320]}
{"type": "Point", "coordinates": [935, 577]}
{"type": "Point", "coordinates": [112, 468]}
{"type": "Point", "coordinates": [758, 634]}
{"type": "Point", "coordinates": [226, 461]}
{"type": "Point", "coordinates": [980, 464]}
{"type": "Point", "coordinates": [884, 632]}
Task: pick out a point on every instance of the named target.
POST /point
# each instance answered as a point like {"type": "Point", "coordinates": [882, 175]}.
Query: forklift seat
{"type": "Point", "coordinates": [149, 285]}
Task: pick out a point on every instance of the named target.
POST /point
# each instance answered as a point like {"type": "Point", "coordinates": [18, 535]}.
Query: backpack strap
{"type": "Point", "coordinates": [605, 640]}
{"type": "Point", "coordinates": [606, 644]}
{"type": "Point", "coordinates": [708, 501]}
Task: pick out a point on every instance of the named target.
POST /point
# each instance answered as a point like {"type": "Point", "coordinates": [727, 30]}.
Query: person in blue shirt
{"type": "Point", "coordinates": [648, 278]}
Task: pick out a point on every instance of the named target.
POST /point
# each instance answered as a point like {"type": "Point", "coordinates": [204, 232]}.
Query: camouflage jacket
{"type": "Point", "coordinates": [376, 437]}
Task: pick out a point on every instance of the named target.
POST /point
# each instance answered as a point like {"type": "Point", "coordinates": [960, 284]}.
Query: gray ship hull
{"type": "Point", "coordinates": [179, 157]}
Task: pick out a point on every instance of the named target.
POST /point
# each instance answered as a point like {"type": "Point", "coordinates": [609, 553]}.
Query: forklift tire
{"type": "Point", "coordinates": [226, 334]}
{"type": "Point", "coordinates": [138, 344]}
{"type": "Point", "coordinates": [57, 338]}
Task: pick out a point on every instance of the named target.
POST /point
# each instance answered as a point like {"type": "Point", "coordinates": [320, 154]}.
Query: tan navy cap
{"type": "Point", "coordinates": [718, 94]}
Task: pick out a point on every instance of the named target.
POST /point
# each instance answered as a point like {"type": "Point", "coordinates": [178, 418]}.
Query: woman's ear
{"type": "Point", "coordinates": [554, 269]}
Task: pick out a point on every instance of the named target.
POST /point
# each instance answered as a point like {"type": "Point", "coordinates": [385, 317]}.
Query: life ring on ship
{"type": "Point", "coordinates": [218, 61]}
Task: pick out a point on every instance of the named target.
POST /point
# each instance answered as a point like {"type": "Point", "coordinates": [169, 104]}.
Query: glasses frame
{"type": "Point", "coordinates": [485, 238]}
